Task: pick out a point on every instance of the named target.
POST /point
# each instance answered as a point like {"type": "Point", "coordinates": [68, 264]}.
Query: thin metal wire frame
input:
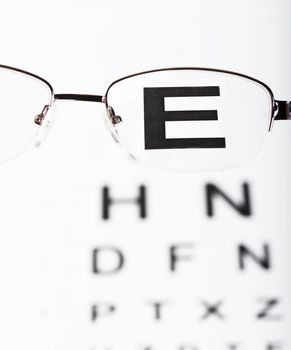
{"type": "Point", "coordinates": [33, 76]}
{"type": "Point", "coordinates": [279, 109]}
{"type": "Point", "coordinates": [196, 69]}
{"type": "Point", "coordinates": [274, 104]}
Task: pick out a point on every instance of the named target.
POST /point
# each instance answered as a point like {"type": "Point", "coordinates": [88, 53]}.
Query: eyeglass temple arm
{"type": "Point", "coordinates": [284, 110]}
{"type": "Point", "coordinates": [80, 97]}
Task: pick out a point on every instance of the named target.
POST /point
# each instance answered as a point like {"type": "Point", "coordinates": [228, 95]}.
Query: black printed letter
{"type": "Point", "coordinates": [274, 346]}
{"type": "Point", "coordinates": [175, 257]}
{"type": "Point", "coordinates": [155, 118]}
{"type": "Point", "coordinates": [107, 251]}
{"type": "Point", "coordinates": [264, 261]}
{"type": "Point", "coordinates": [157, 310]}
{"type": "Point", "coordinates": [244, 207]}
{"type": "Point", "coordinates": [102, 309]}
{"type": "Point", "coordinates": [107, 201]}
{"type": "Point", "coordinates": [269, 305]}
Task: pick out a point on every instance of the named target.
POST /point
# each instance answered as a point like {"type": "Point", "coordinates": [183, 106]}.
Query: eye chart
{"type": "Point", "coordinates": [100, 252]}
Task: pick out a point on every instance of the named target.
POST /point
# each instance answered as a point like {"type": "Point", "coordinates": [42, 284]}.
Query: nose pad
{"type": "Point", "coordinates": [45, 120]}
{"type": "Point", "coordinates": [110, 121]}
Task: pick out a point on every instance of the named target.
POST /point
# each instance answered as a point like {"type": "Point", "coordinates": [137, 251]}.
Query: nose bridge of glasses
{"type": "Point", "coordinates": [112, 119]}
{"type": "Point", "coordinates": [80, 97]}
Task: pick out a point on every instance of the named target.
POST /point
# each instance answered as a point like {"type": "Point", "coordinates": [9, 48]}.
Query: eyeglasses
{"type": "Point", "coordinates": [176, 118]}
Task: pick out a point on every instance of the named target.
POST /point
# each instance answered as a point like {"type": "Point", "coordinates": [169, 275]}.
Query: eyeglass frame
{"type": "Point", "coordinates": [281, 110]}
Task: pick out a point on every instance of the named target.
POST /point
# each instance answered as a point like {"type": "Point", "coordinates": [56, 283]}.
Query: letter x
{"type": "Point", "coordinates": [212, 309]}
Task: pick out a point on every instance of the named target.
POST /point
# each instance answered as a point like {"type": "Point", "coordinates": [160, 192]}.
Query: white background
{"type": "Point", "coordinates": [50, 199]}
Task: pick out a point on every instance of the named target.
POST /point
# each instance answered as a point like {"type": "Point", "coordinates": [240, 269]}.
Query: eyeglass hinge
{"type": "Point", "coordinates": [283, 110]}
{"type": "Point", "coordinates": [288, 110]}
